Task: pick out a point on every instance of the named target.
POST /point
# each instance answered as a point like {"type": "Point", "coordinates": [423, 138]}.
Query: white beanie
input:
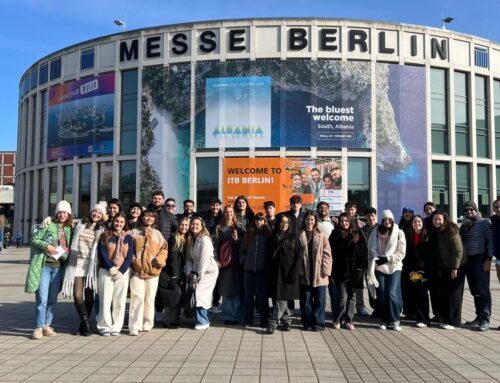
{"type": "Point", "coordinates": [387, 214]}
{"type": "Point", "coordinates": [99, 206]}
{"type": "Point", "coordinates": [63, 206]}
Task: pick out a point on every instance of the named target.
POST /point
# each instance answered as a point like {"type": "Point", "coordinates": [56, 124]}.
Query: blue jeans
{"type": "Point", "coordinates": [390, 302]}
{"type": "Point", "coordinates": [479, 286]}
{"type": "Point", "coordinates": [232, 308]}
{"type": "Point", "coordinates": [46, 295]}
{"type": "Point", "coordinates": [201, 316]}
{"type": "Point", "coordinates": [312, 305]}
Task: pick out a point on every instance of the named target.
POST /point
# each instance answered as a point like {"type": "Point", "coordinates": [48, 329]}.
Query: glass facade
{"type": "Point", "coordinates": [85, 189]}
{"type": "Point", "coordinates": [441, 185]}
{"type": "Point", "coordinates": [43, 126]}
{"type": "Point", "coordinates": [207, 182]}
{"type": "Point", "coordinates": [41, 194]}
{"type": "Point", "coordinates": [33, 129]}
{"type": "Point", "coordinates": [105, 181]}
{"type": "Point", "coordinates": [358, 189]}
{"type": "Point", "coordinates": [128, 139]}
{"type": "Point", "coordinates": [128, 176]}
{"type": "Point", "coordinates": [55, 69]}
{"type": "Point", "coordinates": [498, 182]}
{"type": "Point", "coordinates": [483, 189]}
{"type": "Point", "coordinates": [68, 184]}
{"type": "Point", "coordinates": [481, 117]}
{"type": "Point", "coordinates": [463, 186]}
{"type": "Point", "coordinates": [496, 98]}
{"type": "Point", "coordinates": [461, 115]}
{"type": "Point", "coordinates": [87, 59]}
{"type": "Point", "coordinates": [43, 74]}
{"type": "Point", "coordinates": [439, 111]}
{"type": "Point", "coordinates": [52, 190]}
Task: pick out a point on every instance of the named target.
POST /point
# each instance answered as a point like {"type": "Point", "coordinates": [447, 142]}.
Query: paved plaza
{"type": "Point", "coordinates": [233, 354]}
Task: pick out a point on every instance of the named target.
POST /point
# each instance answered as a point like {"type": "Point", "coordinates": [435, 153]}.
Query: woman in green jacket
{"type": "Point", "coordinates": [45, 274]}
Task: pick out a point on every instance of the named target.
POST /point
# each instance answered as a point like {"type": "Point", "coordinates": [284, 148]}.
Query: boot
{"type": "Point", "coordinates": [84, 317]}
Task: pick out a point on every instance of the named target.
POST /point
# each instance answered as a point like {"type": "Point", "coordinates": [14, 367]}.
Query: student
{"type": "Point", "coordinates": [116, 251]}
{"type": "Point", "coordinates": [243, 211]}
{"type": "Point", "coordinates": [149, 258]}
{"type": "Point", "coordinates": [80, 278]}
{"type": "Point", "coordinates": [51, 248]}
{"type": "Point", "coordinates": [134, 216]}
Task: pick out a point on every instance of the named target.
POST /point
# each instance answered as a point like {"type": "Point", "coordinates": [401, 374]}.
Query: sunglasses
{"type": "Point", "coordinates": [169, 205]}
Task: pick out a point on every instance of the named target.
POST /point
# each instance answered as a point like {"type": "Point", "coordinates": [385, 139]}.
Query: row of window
{"type": "Point", "coordinates": [461, 100]}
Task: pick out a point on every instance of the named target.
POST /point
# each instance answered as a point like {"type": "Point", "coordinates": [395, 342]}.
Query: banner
{"type": "Point", "coordinates": [81, 117]}
{"type": "Point", "coordinates": [277, 179]}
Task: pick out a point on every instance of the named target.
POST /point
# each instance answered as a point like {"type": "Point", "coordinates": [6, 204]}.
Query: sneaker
{"type": "Point", "coordinates": [146, 329]}
{"type": "Point", "coordinates": [134, 333]}
{"type": "Point", "coordinates": [115, 333]}
{"type": "Point", "coordinates": [336, 325]}
{"type": "Point", "coordinates": [37, 333]}
{"type": "Point", "coordinates": [48, 331]}
{"type": "Point", "coordinates": [270, 329]}
{"type": "Point", "coordinates": [421, 325]}
{"type": "Point", "coordinates": [285, 327]}
{"type": "Point", "coordinates": [105, 333]}
{"type": "Point", "coordinates": [201, 326]}
{"type": "Point", "coordinates": [362, 311]}
{"type": "Point", "coordinates": [396, 326]}
{"type": "Point", "coordinates": [476, 322]}
{"type": "Point", "coordinates": [349, 326]}
{"type": "Point", "coordinates": [446, 326]}
{"type": "Point", "coordinates": [383, 326]}
{"type": "Point", "coordinates": [484, 326]}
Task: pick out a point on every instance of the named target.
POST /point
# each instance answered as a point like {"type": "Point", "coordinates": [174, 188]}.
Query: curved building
{"type": "Point", "coordinates": [387, 115]}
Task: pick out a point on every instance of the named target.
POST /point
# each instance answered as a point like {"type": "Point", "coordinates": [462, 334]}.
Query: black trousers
{"type": "Point", "coordinates": [451, 295]}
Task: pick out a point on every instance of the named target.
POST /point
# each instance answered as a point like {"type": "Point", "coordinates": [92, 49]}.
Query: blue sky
{"type": "Point", "coordinates": [32, 29]}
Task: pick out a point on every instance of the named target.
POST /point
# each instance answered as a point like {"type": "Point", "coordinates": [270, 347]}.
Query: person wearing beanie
{"type": "Point", "coordinates": [51, 248]}
{"type": "Point", "coordinates": [80, 278]}
{"type": "Point", "coordinates": [477, 239]}
{"type": "Point", "coordinates": [386, 251]}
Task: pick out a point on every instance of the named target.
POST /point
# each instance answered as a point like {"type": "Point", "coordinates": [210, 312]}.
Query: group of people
{"type": "Point", "coordinates": [243, 259]}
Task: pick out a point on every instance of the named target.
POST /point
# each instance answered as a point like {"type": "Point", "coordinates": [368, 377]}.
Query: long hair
{"type": "Point", "coordinates": [424, 236]}
{"type": "Point", "coordinates": [248, 210]}
{"type": "Point", "coordinates": [225, 222]}
{"type": "Point", "coordinates": [87, 221]}
{"type": "Point", "coordinates": [351, 232]}
{"type": "Point", "coordinates": [179, 239]}
{"type": "Point", "coordinates": [109, 233]}
{"type": "Point", "coordinates": [68, 222]}
{"type": "Point", "coordinates": [252, 229]}
{"type": "Point", "coordinates": [449, 227]}
{"type": "Point", "coordinates": [315, 227]}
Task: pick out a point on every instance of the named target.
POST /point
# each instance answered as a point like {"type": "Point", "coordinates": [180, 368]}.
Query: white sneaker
{"type": "Point", "coordinates": [201, 326]}
{"type": "Point", "coordinates": [397, 327]}
{"type": "Point", "coordinates": [134, 333]}
{"type": "Point", "coordinates": [382, 326]}
{"type": "Point", "coordinates": [446, 326]}
{"type": "Point", "coordinates": [421, 325]}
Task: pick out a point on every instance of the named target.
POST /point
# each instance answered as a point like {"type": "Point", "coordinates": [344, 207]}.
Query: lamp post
{"type": "Point", "coordinates": [445, 21]}
{"type": "Point", "coordinates": [121, 23]}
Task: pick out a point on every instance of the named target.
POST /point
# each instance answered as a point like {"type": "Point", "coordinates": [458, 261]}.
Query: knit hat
{"type": "Point", "coordinates": [387, 214]}
{"type": "Point", "coordinates": [470, 204]}
{"type": "Point", "coordinates": [63, 206]}
{"type": "Point", "coordinates": [99, 206]}
{"type": "Point", "coordinates": [408, 209]}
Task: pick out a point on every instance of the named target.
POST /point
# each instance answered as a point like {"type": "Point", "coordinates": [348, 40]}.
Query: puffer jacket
{"type": "Point", "coordinates": [39, 253]}
{"type": "Point", "coordinates": [253, 254]}
{"type": "Point", "coordinates": [149, 245]}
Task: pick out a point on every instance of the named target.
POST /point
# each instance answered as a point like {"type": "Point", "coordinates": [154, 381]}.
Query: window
{"type": "Point", "coordinates": [461, 115]}
{"type": "Point", "coordinates": [498, 181]}
{"type": "Point", "coordinates": [40, 193]}
{"type": "Point", "coordinates": [68, 184]}
{"type": "Point", "coordinates": [127, 183]}
{"type": "Point", "coordinates": [52, 190]}
{"type": "Point", "coordinates": [441, 185]}
{"type": "Point", "coordinates": [481, 57]}
{"type": "Point", "coordinates": [481, 117]}
{"type": "Point", "coordinates": [87, 59]}
{"type": "Point", "coordinates": [483, 189]}
{"type": "Point", "coordinates": [463, 187]}
{"type": "Point", "coordinates": [496, 98]}
{"type": "Point", "coordinates": [439, 110]}
{"type": "Point", "coordinates": [358, 189]}
{"type": "Point", "coordinates": [43, 74]}
{"type": "Point", "coordinates": [34, 78]}
{"type": "Point", "coordinates": [128, 139]}
{"type": "Point", "coordinates": [207, 181]}
{"type": "Point", "coordinates": [32, 129]}
{"type": "Point", "coordinates": [105, 181]}
{"type": "Point", "coordinates": [43, 126]}
{"type": "Point", "coordinates": [55, 69]}
{"type": "Point", "coordinates": [85, 189]}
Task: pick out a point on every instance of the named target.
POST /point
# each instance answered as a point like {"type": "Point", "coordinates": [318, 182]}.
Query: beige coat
{"type": "Point", "coordinates": [321, 257]}
{"type": "Point", "coordinates": [149, 245]}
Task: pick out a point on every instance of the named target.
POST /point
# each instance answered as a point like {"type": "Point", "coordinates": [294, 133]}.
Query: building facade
{"type": "Point", "coordinates": [387, 115]}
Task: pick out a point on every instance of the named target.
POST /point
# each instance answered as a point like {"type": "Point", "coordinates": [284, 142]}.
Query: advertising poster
{"type": "Point", "coordinates": [81, 117]}
{"type": "Point", "coordinates": [165, 131]}
{"type": "Point", "coordinates": [310, 103]}
{"type": "Point", "coordinates": [277, 179]}
{"type": "Point", "coordinates": [238, 112]}
{"type": "Point", "coordinates": [401, 138]}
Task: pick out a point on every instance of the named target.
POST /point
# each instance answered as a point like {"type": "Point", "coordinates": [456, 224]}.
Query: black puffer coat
{"type": "Point", "coordinates": [350, 258]}
{"type": "Point", "coordinates": [283, 265]}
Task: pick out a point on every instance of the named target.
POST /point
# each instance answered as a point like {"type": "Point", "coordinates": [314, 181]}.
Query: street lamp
{"type": "Point", "coordinates": [120, 23]}
{"type": "Point", "coordinates": [445, 21]}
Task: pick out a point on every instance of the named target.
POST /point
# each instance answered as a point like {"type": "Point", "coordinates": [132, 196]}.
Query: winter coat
{"type": "Point", "coordinates": [321, 259]}
{"type": "Point", "coordinates": [283, 267]}
{"type": "Point", "coordinates": [253, 254]}
{"type": "Point", "coordinates": [495, 227]}
{"type": "Point", "coordinates": [171, 276]}
{"type": "Point", "coordinates": [200, 259]}
{"type": "Point", "coordinates": [149, 245]}
{"type": "Point", "coordinates": [39, 244]}
{"type": "Point", "coordinates": [450, 253]}
{"type": "Point", "coordinates": [419, 258]}
{"type": "Point", "coordinates": [349, 258]}
{"type": "Point", "coordinates": [167, 223]}
{"type": "Point", "coordinates": [395, 250]}
{"type": "Point", "coordinates": [230, 277]}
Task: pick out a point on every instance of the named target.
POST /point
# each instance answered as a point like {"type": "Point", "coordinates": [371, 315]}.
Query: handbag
{"type": "Point", "coordinates": [226, 258]}
{"type": "Point", "coordinates": [189, 300]}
